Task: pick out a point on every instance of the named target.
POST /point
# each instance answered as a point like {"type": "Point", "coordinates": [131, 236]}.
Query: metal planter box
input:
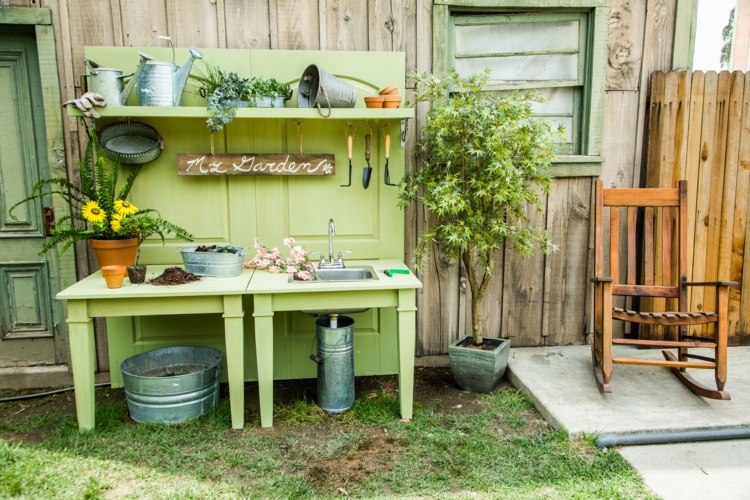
{"type": "Point", "coordinates": [172, 385]}
{"type": "Point", "coordinates": [476, 370]}
{"type": "Point", "coordinates": [220, 265]}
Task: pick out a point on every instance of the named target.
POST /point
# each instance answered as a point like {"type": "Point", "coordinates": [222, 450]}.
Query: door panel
{"type": "Point", "coordinates": [27, 334]}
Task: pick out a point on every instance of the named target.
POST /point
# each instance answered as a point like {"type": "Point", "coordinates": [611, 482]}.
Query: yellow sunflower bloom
{"type": "Point", "coordinates": [124, 207]}
{"type": "Point", "coordinates": [93, 213]}
{"type": "Point", "coordinates": [116, 222]}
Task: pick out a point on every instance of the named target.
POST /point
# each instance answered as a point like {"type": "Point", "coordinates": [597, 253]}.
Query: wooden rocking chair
{"type": "Point", "coordinates": [607, 286]}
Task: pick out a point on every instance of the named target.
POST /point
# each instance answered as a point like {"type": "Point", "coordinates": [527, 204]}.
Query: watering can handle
{"type": "Point", "coordinates": [162, 37]}
{"type": "Point", "coordinates": [178, 249]}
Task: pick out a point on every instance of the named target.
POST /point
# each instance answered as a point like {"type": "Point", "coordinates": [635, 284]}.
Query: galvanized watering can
{"type": "Point", "coordinates": [110, 82]}
{"type": "Point", "coordinates": [162, 83]}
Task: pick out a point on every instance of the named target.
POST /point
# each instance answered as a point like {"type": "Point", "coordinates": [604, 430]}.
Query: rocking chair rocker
{"type": "Point", "coordinates": [654, 201]}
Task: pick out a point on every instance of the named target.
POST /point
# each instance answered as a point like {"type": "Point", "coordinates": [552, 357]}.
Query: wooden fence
{"type": "Point", "coordinates": [699, 130]}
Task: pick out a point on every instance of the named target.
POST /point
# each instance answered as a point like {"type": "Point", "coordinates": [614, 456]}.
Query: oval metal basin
{"type": "Point", "coordinates": [361, 273]}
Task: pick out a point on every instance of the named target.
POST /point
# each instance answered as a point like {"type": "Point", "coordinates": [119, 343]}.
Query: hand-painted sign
{"type": "Point", "coordinates": [255, 164]}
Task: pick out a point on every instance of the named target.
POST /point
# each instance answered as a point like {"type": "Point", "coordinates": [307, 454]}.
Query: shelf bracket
{"type": "Point", "coordinates": [404, 128]}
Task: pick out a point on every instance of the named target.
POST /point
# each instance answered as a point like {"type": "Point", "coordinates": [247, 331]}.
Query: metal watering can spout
{"type": "Point", "coordinates": [131, 84]}
{"type": "Point", "coordinates": [181, 77]}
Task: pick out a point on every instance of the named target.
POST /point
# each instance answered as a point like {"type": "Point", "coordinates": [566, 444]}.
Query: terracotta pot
{"type": "Point", "coordinates": [374, 102]}
{"type": "Point", "coordinates": [115, 252]}
{"type": "Point", "coordinates": [390, 90]}
{"type": "Point", "coordinates": [114, 275]}
{"type": "Point", "coordinates": [391, 101]}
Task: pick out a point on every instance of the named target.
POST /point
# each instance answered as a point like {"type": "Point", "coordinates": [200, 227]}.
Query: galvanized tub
{"type": "Point", "coordinates": [172, 385]}
{"type": "Point", "coordinates": [135, 143]}
{"type": "Point", "coordinates": [335, 364]}
{"type": "Point", "coordinates": [219, 265]}
{"type": "Point", "coordinates": [318, 88]}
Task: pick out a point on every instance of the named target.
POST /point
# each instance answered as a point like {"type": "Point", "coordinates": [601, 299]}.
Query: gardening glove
{"type": "Point", "coordinates": [86, 104]}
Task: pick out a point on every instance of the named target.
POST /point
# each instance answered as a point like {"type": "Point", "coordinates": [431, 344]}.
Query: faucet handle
{"type": "Point", "coordinates": [322, 257]}
{"type": "Point", "coordinates": [341, 258]}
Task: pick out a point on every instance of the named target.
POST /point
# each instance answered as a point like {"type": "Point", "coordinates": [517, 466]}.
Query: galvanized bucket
{"type": "Point", "coordinates": [318, 88]}
{"type": "Point", "coordinates": [219, 265]}
{"type": "Point", "coordinates": [135, 143]}
{"type": "Point", "coordinates": [172, 385]}
{"type": "Point", "coordinates": [335, 364]}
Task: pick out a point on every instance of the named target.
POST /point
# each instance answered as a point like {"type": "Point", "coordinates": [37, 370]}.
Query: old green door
{"type": "Point", "coordinates": [27, 332]}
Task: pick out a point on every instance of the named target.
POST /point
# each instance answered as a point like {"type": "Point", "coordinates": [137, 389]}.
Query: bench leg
{"type": "Point", "coordinates": [407, 321]}
{"type": "Point", "coordinates": [235, 340]}
{"type": "Point", "coordinates": [83, 361]}
{"type": "Point", "coordinates": [263, 314]}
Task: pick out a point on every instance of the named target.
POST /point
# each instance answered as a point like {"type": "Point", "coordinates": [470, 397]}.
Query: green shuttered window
{"type": "Point", "coordinates": [560, 53]}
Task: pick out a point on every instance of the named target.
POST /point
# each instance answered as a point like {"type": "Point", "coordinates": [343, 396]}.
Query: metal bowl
{"type": "Point", "coordinates": [135, 143]}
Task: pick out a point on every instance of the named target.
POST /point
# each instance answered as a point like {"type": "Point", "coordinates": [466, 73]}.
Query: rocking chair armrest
{"type": "Point", "coordinates": [601, 279]}
{"type": "Point", "coordinates": [710, 283]}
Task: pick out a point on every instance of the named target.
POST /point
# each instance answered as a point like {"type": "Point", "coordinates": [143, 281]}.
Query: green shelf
{"type": "Point", "coordinates": [288, 113]}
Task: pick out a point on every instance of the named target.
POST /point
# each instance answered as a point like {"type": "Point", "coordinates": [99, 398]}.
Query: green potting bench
{"type": "Point", "coordinates": [273, 293]}
{"type": "Point", "coordinates": [90, 298]}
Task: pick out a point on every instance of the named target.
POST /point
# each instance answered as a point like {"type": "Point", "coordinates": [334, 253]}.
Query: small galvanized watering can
{"type": "Point", "coordinates": [109, 82]}
{"type": "Point", "coordinates": [162, 83]}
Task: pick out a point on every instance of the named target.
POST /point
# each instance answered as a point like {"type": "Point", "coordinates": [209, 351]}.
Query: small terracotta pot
{"type": "Point", "coordinates": [114, 275]}
{"type": "Point", "coordinates": [115, 252]}
{"type": "Point", "coordinates": [374, 102]}
{"type": "Point", "coordinates": [390, 90]}
{"type": "Point", "coordinates": [391, 101]}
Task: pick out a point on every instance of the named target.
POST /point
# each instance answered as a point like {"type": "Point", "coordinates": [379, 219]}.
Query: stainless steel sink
{"type": "Point", "coordinates": [360, 273]}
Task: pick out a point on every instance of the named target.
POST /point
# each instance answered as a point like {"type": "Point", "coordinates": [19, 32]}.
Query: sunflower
{"type": "Point", "coordinates": [124, 207]}
{"type": "Point", "coordinates": [116, 222]}
{"type": "Point", "coordinates": [92, 213]}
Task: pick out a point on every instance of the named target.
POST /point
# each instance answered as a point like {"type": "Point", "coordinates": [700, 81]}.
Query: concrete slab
{"type": "Point", "coordinates": [561, 383]}
{"type": "Point", "coordinates": [697, 471]}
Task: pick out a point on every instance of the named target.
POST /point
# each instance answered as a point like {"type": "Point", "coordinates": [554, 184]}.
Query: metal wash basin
{"type": "Point", "coordinates": [361, 273]}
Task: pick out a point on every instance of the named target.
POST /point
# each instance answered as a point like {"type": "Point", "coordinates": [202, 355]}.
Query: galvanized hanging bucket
{"type": "Point", "coordinates": [172, 385]}
{"type": "Point", "coordinates": [335, 364]}
{"type": "Point", "coordinates": [318, 88]}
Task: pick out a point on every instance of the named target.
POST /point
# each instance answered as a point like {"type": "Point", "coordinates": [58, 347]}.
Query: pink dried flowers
{"type": "Point", "coordinates": [298, 265]}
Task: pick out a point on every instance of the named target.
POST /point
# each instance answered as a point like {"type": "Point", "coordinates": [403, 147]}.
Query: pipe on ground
{"type": "Point", "coordinates": [610, 440]}
{"type": "Point", "coordinates": [48, 393]}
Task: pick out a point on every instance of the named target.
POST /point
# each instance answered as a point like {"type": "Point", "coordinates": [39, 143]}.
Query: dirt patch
{"type": "Point", "coordinates": [174, 276]}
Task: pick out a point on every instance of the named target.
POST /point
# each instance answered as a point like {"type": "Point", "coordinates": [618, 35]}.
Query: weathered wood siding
{"type": "Point", "coordinates": [539, 301]}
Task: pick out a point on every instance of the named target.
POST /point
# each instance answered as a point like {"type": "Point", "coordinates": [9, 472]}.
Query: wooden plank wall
{"type": "Point", "coordinates": [539, 301]}
{"type": "Point", "coordinates": [699, 130]}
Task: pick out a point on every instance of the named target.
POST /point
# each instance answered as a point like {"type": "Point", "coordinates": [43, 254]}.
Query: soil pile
{"type": "Point", "coordinates": [174, 276]}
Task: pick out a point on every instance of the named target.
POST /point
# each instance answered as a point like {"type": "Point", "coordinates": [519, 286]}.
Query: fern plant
{"type": "Point", "coordinates": [104, 213]}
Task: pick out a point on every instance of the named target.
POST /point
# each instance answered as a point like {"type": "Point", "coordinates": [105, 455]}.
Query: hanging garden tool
{"type": "Point", "coordinates": [367, 171]}
{"type": "Point", "coordinates": [349, 143]}
{"type": "Point", "coordinates": [387, 174]}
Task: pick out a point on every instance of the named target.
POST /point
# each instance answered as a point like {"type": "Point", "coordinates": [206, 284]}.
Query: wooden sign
{"type": "Point", "coordinates": [255, 164]}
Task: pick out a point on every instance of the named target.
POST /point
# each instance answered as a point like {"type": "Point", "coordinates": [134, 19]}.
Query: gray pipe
{"type": "Point", "coordinates": [609, 440]}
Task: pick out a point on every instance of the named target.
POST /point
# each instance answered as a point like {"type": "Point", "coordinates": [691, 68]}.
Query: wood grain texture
{"type": "Point", "coordinates": [297, 24]}
{"type": "Point", "coordinates": [625, 45]}
{"type": "Point", "coordinates": [568, 219]}
{"type": "Point", "coordinates": [193, 22]}
{"type": "Point", "coordinates": [346, 25]}
{"type": "Point", "coordinates": [248, 24]}
{"type": "Point", "coordinates": [142, 21]}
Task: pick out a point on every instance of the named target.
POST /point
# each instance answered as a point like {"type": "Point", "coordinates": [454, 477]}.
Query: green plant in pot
{"type": "Point", "coordinates": [486, 162]}
{"type": "Point", "coordinates": [114, 226]}
{"type": "Point", "coordinates": [268, 92]}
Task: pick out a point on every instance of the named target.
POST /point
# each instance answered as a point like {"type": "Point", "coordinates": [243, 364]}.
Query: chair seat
{"type": "Point", "coordinates": [665, 318]}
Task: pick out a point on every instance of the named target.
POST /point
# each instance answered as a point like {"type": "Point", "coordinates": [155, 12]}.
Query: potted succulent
{"type": "Point", "coordinates": [486, 161]}
{"type": "Point", "coordinates": [115, 226]}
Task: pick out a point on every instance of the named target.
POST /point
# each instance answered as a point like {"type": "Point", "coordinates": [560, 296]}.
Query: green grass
{"type": "Point", "coordinates": [368, 451]}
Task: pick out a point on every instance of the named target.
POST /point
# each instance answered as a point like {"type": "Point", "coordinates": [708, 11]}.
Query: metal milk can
{"type": "Point", "coordinates": [162, 83]}
{"type": "Point", "coordinates": [109, 82]}
{"type": "Point", "coordinates": [335, 364]}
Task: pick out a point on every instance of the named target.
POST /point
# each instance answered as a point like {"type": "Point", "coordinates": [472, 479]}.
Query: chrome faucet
{"type": "Point", "coordinates": [331, 264]}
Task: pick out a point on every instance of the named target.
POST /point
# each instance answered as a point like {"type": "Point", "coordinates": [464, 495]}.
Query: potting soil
{"type": "Point", "coordinates": [174, 276]}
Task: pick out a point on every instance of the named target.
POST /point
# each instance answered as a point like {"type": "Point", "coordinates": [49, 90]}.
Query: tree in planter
{"type": "Point", "coordinates": [486, 161]}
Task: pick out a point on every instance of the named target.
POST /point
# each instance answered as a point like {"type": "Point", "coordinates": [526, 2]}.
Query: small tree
{"type": "Point", "coordinates": [486, 161]}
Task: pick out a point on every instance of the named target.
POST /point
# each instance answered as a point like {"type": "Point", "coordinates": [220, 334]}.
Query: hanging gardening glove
{"type": "Point", "coordinates": [86, 104]}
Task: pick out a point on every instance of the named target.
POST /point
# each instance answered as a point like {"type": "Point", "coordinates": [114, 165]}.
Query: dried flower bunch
{"type": "Point", "coordinates": [298, 265]}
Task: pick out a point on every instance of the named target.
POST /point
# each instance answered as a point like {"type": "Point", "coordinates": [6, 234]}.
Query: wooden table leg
{"type": "Point", "coordinates": [83, 361]}
{"type": "Point", "coordinates": [235, 339]}
{"type": "Point", "coordinates": [263, 314]}
{"type": "Point", "coordinates": [407, 323]}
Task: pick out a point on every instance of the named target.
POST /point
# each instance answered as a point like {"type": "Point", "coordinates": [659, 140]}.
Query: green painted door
{"type": "Point", "coordinates": [27, 332]}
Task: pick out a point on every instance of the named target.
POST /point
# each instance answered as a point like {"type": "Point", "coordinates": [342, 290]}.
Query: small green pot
{"type": "Point", "coordinates": [477, 370]}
